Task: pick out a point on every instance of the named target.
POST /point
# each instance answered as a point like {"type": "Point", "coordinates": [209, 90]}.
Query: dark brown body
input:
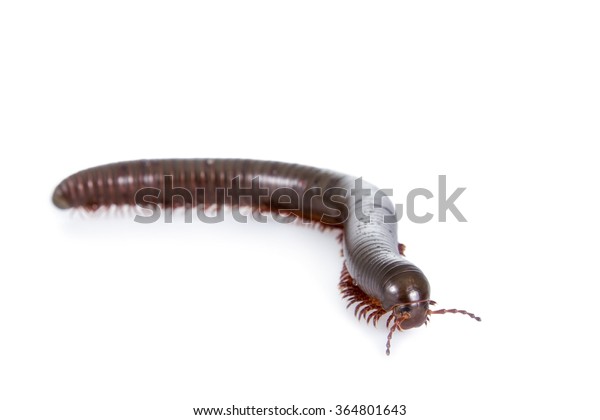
{"type": "Point", "coordinates": [373, 260]}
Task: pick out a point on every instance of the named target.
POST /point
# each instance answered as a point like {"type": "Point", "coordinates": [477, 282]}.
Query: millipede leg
{"type": "Point", "coordinates": [366, 307]}
{"type": "Point", "coordinates": [401, 249]}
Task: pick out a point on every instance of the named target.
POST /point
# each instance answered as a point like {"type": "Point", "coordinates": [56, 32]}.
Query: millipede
{"type": "Point", "coordinates": [376, 277]}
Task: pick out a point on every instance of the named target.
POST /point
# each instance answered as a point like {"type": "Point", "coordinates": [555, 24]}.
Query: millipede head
{"type": "Point", "coordinates": [412, 315]}
{"type": "Point", "coordinates": [404, 317]}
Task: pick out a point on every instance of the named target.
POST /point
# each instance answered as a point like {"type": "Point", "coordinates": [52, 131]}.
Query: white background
{"type": "Point", "coordinates": [101, 317]}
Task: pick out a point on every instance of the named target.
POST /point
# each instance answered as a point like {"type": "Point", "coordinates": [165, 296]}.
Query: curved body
{"type": "Point", "coordinates": [376, 275]}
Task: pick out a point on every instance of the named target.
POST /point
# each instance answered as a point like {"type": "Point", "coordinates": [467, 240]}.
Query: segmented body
{"type": "Point", "coordinates": [376, 275]}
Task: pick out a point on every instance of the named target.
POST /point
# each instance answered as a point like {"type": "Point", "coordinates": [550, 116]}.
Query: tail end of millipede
{"type": "Point", "coordinates": [59, 199]}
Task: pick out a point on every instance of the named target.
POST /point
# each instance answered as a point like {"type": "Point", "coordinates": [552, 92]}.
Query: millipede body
{"type": "Point", "coordinates": [376, 276]}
